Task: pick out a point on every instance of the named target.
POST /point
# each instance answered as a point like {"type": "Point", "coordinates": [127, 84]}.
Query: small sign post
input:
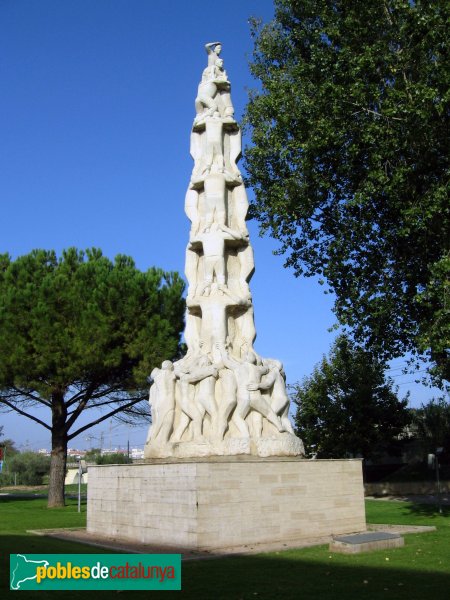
{"type": "Point", "coordinates": [82, 468]}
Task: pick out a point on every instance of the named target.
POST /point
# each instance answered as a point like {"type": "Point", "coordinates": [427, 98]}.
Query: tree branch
{"type": "Point", "coordinates": [103, 418]}
{"type": "Point", "coordinates": [112, 401]}
{"type": "Point", "coordinates": [76, 413]}
{"type": "Point", "coordinates": [104, 392]}
{"type": "Point", "coordinates": [25, 414]}
{"type": "Point", "coordinates": [32, 397]}
{"type": "Point", "coordinates": [374, 112]}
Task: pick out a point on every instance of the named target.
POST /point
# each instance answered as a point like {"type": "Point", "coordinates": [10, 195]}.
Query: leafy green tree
{"type": "Point", "coordinates": [349, 162]}
{"type": "Point", "coordinates": [9, 446]}
{"type": "Point", "coordinates": [347, 407]}
{"type": "Point", "coordinates": [82, 333]}
{"type": "Point", "coordinates": [30, 467]}
{"type": "Point", "coordinates": [432, 421]}
{"type": "Point", "coordinates": [7, 451]}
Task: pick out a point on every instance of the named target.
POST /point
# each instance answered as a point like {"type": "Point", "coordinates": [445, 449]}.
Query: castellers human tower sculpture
{"type": "Point", "coordinates": [221, 398]}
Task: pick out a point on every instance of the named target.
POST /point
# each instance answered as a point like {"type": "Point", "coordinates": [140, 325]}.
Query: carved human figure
{"type": "Point", "coordinates": [206, 94]}
{"type": "Point", "coordinates": [192, 330]}
{"type": "Point", "coordinates": [191, 268]}
{"type": "Point", "coordinates": [240, 206]}
{"type": "Point", "coordinates": [191, 208]}
{"type": "Point", "coordinates": [248, 378]}
{"type": "Point", "coordinates": [213, 155]}
{"type": "Point", "coordinates": [195, 399]}
{"type": "Point", "coordinates": [244, 328]}
{"type": "Point", "coordinates": [212, 204]}
{"type": "Point", "coordinates": [162, 403]}
{"type": "Point", "coordinates": [228, 400]}
{"type": "Point", "coordinates": [247, 268]}
{"type": "Point", "coordinates": [205, 377]}
{"type": "Point", "coordinates": [235, 146]}
{"type": "Point", "coordinates": [213, 243]}
{"type": "Point", "coordinates": [214, 317]}
{"type": "Point", "coordinates": [214, 78]}
{"type": "Point", "coordinates": [213, 49]}
{"type": "Point", "coordinates": [274, 382]}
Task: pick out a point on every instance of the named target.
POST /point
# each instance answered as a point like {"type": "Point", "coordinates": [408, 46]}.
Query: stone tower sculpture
{"type": "Point", "coordinates": [221, 398]}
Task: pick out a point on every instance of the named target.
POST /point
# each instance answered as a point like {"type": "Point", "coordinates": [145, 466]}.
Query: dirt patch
{"type": "Point", "coordinates": [39, 489]}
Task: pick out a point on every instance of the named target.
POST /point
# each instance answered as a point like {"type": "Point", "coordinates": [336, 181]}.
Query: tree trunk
{"type": "Point", "coordinates": [57, 470]}
{"type": "Point", "coordinates": [59, 452]}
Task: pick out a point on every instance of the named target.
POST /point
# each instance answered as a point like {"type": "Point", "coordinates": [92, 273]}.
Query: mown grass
{"type": "Point", "coordinates": [417, 571]}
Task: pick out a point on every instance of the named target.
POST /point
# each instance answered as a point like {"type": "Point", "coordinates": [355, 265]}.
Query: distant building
{"type": "Point", "coordinates": [75, 453]}
{"type": "Point", "coordinates": [137, 453]}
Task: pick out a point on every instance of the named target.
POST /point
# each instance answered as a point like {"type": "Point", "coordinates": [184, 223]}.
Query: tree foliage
{"type": "Point", "coordinates": [110, 458]}
{"type": "Point", "coordinates": [349, 162]}
{"type": "Point", "coordinates": [432, 421]}
{"type": "Point", "coordinates": [29, 467]}
{"type": "Point", "coordinates": [80, 332]}
{"type": "Point", "coordinates": [115, 458]}
{"type": "Point", "coordinates": [9, 446]}
{"type": "Point", "coordinates": [347, 407]}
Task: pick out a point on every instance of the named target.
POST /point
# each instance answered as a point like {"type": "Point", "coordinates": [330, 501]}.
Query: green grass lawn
{"type": "Point", "coordinates": [418, 571]}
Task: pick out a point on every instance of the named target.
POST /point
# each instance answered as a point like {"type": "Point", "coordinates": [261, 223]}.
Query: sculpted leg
{"type": "Point", "coordinates": [191, 411]}
{"type": "Point", "coordinates": [256, 424]}
{"type": "Point", "coordinates": [208, 274]}
{"type": "Point", "coordinates": [227, 401]}
{"type": "Point", "coordinates": [258, 403]}
{"type": "Point", "coordinates": [182, 426]}
{"type": "Point", "coordinates": [191, 208]}
{"type": "Point", "coordinates": [166, 427]}
{"type": "Point", "coordinates": [285, 421]}
{"type": "Point", "coordinates": [242, 408]}
{"type": "Point", "coordinates": [206, 399]}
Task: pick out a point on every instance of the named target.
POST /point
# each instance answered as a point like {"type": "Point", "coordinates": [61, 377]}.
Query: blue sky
{"type": "Point", "coordinates": [95, 113]}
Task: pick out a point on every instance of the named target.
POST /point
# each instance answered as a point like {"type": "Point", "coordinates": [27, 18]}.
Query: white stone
{"type": "Point", "coordinates": [218, 503]}
{"type": "Point", "coordinates": [222, 398]}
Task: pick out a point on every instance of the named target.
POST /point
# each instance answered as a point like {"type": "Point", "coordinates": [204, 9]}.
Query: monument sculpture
{"type": "Point", "coordinates": [222, 398]}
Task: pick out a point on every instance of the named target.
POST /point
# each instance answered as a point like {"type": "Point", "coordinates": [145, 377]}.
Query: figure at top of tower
{"type": "Point", "coordinates": [213, 96]}
{"type": "Point", "coordinates": [213, 49]}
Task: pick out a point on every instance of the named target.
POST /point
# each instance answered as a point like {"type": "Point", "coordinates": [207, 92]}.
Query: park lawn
{"type": "Point", "coordinates": [419, 570]}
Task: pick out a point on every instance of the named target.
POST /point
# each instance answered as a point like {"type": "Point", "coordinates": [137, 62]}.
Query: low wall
{"type": "Point", "coordinates": [405, 488]}
{"type": "Point", "coordinates": [215, 504]}
{"type": "Point", "coordinates": [72, 476]}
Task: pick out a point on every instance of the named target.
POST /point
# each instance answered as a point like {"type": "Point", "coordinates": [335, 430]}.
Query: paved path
{"type": "Point", "coordinates": [415, 498]}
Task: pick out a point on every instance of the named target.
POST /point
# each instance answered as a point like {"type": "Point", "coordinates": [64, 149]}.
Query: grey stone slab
{"type": "Point", "coordinates": [364, 538]}
{"type": "Point", "coordinates": [366, 542]}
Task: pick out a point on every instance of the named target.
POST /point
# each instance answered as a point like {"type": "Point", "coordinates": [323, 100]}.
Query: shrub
{"type": "Point", "coordinates": [30, 467]}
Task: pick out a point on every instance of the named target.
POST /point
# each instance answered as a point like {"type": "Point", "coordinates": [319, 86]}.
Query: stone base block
{"type": "Point", "coordinates": [215, 504]}
{"type": "Point", "coordinates": [366, 542]}
{"type": "Point", "coordinates": [284, 444]}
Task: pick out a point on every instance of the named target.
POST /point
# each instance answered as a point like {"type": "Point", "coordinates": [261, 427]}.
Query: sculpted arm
{"type": "Point", "coordinates": [209, 47]}
{"type": "Point", "coordinates": [226, 359]}
{"type": "Point", "coordinates": [268, 380]}
{"type": "Point", "coordinates": [231, 234]}
{"type": "Point", "coordinates": [255, 386]}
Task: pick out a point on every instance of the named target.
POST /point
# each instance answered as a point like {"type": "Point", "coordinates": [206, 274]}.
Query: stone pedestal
{"type": "Point", "coordinates": [221, 503]}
